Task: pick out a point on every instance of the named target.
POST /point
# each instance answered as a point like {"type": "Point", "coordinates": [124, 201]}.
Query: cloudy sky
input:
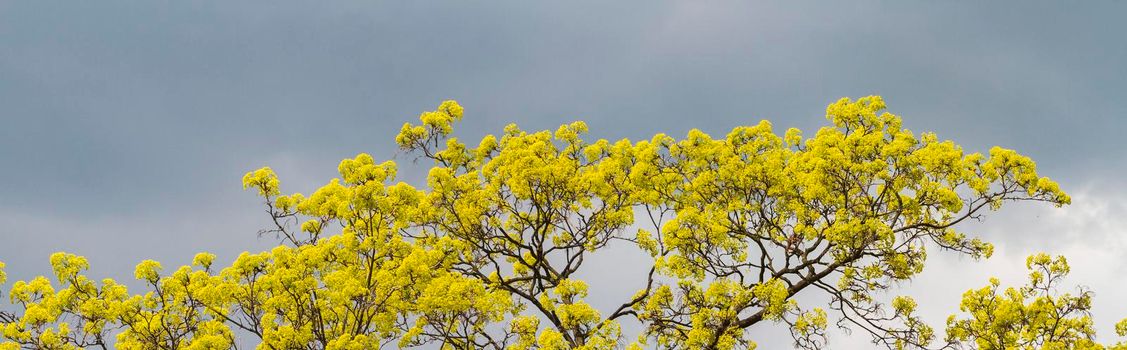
{"type": "Point", "coordinates": [127, 125]}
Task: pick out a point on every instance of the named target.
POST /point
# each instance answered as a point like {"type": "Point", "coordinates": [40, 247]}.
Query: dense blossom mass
{"type": "Point", "coordinates": [487, 255]}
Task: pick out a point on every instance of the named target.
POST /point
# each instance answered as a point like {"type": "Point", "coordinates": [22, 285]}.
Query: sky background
{"type": "Point", "coordinates": [125, 126]}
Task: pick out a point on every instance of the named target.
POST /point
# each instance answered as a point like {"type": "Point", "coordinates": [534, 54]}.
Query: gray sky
{"type": "Point", "coordinates": [127, 125]}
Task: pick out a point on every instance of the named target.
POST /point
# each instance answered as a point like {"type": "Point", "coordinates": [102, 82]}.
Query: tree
{"type": "Point", "coordinates": [1029, 317]}
{"type": "Point", "coordinates": [488, 253]}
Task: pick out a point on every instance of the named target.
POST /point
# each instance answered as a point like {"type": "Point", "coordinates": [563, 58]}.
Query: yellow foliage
{"type": "Point", "coordinates": [489, 252]}
{"type": "Point", "coordinates": [1029, 317]}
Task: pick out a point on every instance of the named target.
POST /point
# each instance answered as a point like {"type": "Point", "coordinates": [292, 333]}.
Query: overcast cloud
{"type": "Point", "coordinates": [126, 125]}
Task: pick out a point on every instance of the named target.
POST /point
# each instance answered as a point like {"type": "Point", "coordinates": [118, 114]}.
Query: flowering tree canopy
{"type": "Point", "coordinates": [488, 254]}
